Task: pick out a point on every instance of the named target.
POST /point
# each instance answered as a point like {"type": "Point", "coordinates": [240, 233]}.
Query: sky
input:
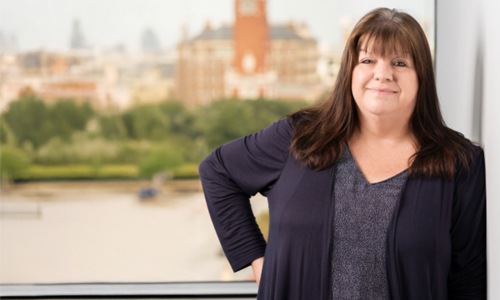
{"type": "Point", "coordinates": [47, 24]}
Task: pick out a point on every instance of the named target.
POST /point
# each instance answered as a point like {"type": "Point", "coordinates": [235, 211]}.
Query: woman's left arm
{"type": "Point", "coordinates": [467, 278]}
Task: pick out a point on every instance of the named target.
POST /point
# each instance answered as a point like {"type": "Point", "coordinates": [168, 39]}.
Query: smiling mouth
{"type": "Point", "coordinates": [387, 91]}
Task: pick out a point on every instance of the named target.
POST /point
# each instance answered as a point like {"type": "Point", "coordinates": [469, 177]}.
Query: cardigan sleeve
{"type": "Point", "coordinates": [467, 278]}
{"type": "Point", "coordinates": [233, 173]}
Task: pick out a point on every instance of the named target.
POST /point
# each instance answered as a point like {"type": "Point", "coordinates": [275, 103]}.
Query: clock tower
{"type": "Point", "coordinates": [251, 36]}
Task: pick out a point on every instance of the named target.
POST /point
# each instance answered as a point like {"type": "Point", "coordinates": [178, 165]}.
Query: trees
{"type": "Point", "coordinates": [65, 117]}
{"type": "Point", "coordinates": [163, 158]}
{"type": "Point", "coordinates": [152, 137]}
{"type": "Point", "coordinates": [229, 119]}
{"type": "Point", "coordinates": [145, 122]}
{"type": "Point", "coordinates": [33, 122]}
{"type": "Point", "coordinates": [13, 163]}
{"type": "Point", "coordinates": [159, 121]}
{"type": "Point", "coordinates": [111, 127]}
{"type": "Point", "coordinates": [28, 120]}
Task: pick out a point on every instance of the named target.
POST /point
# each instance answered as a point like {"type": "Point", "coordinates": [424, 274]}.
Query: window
{"type": "Point", "coordinates": [99, 183]}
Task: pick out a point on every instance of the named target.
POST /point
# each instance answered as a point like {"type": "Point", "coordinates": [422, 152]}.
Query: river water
{"type": "Point", "coordinates": [102, 232]}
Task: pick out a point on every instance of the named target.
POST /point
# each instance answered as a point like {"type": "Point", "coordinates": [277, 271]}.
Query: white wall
{"type": "Point", "coordinates": [491, 138]}
{"type": "Point", "coordinates": [468, 78]}
{"type": "Point", "coordinates": [457, 48]}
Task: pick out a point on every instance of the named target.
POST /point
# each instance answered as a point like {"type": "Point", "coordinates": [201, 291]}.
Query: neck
{"type": "Point", "coordinates": [384, 130]}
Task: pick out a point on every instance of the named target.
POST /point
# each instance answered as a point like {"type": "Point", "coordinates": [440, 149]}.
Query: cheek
{"type": "Point", "coordinates": [412, 84]}
{"type": "Point", "coordinates": [412, 88]}
{"type": "Point", "coordinates": [357, 82]}
{"type": "Point", "coordinates": [356, 77]}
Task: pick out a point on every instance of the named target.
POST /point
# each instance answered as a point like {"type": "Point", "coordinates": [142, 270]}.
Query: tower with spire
{"type": "Point", "coordinates": [251, 36]}
{"type": "Point", "coordinates": [250, 78]}
{"type": "Point", "coordinates": [248, 59]}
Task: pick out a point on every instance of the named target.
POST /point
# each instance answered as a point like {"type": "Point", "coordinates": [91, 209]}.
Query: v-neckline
{"type": "Point", "coordinates": [362, 175]}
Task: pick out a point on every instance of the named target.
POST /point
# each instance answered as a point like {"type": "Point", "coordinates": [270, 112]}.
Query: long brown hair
{"type": "Point", "coordinates": [322, 131]}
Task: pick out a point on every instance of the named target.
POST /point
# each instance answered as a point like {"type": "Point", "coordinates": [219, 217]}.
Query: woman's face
{"type": "Point", "coordinates": [385, 86]}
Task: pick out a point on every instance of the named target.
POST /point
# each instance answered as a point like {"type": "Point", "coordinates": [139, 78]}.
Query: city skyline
{"type": "Point", "coordinates": [111, 23]}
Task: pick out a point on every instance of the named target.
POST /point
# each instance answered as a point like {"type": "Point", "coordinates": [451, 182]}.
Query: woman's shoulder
{"type": "Point", "coordinates": [280, 129]}
{"type": "Point", "coordinates": [467, 153]}
{"type": "Point", "coordinates": [277, 135]}
{"type": "Point", "coordinates": [476, 149]}
{"type": "Point", "coordinates": [285, 124]}
{"type": "Point", "coordinates": [273, 140]}
{"type": "Point", "coordinates": [475, 165]}
{"type": "Point", "coordinates": [477, 154]}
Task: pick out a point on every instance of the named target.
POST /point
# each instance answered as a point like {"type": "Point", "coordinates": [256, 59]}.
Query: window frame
{"type": "Point", "coordinates": [168, 290]}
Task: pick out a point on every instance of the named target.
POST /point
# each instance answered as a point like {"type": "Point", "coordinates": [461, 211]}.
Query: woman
{"type": "Point", "coordinates": [370, 195]}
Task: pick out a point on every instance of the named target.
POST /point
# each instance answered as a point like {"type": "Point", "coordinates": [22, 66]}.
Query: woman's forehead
{"type": "Point", "coordinates": [383, 45]}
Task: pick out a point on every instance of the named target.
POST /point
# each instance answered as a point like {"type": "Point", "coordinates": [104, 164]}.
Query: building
{"type": "Point", "coordinates": [154, 81]}
{"type": "Point", "coordinates": [107, 80]}
{"type": "Point", "coordinates": [201, 63]}
{"type": "Point", "coordinates": [52, 77]}
{"type": "Point", "coordinates": [249, 59]}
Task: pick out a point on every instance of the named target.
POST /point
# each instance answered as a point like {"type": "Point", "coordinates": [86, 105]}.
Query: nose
{"type": "Point", "coordinates": [383, 71]}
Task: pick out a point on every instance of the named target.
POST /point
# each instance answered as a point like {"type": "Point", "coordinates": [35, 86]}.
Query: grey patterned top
{"type": "Point", "coordinates": [363, 212]}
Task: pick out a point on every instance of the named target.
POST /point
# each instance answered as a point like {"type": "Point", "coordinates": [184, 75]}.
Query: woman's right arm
{"type": "Point", "coordinates": [233, 173]}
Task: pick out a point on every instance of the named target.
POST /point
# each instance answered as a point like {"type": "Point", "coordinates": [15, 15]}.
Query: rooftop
{"type": "Point", "coordinates": [277, 32]}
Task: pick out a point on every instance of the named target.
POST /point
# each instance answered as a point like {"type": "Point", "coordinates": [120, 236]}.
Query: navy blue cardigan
{"type": "Point", "coordinates": [436, 242]}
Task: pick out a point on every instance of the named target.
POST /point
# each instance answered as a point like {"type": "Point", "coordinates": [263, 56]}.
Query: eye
{"type": "Point", "coordinates": [400, 63]}
{"type": "Point", "coordinates": [366, 61]}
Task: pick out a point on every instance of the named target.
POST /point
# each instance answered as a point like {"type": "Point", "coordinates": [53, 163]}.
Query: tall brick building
{"type": "Point", "coordinates": [248, 60]}
{"type": "Point", "coordinates": [250, 37]}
